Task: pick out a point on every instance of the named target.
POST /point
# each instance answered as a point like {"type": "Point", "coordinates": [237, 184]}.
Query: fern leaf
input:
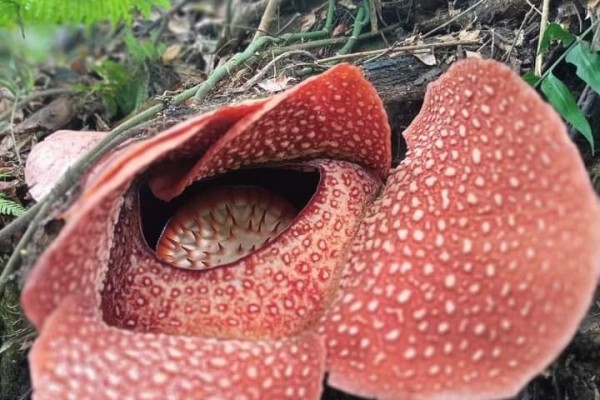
{"type": "Point", "coordinates": [9, 207]}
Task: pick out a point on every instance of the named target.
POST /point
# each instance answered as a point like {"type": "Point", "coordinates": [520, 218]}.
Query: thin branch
{"type": "Point", "coordinates": [11, 129]}
{"type": "Point", "coordinates": [398, 49]}
{"type": "Point", "coordinates": [533, 6]}
{"type": "Point", "coordinates": [539, 59]}
{"type": "Point", "coordinates": [164, 18]}
{"type": "Point", "coordinates": [266, 68]}
{"type": "Point", "coordinates": [267, 17]}
{"type": "Point", "coordinates": [519, 31]}
{"type": "Point", "coordinates": [451, 20]}
{"type": "Point", "coordinates": [256, 45]}
{"type": "Point", "coordinates": [374, 11]}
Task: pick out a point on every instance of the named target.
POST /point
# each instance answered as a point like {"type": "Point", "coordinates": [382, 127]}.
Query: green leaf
{"type": "Point", "coordinates": [531, 78]}
{"type": "Point", "coordinates": [123, 88]}
{"type": "Point", "coordinates": [563, 101]}
{"type": "Point", "coordinates": [9, 207]}
{"type": "Point", "coordinates": [554, 32]}
{"type": "Point", "coordinates": [13, 12]}
{"type": "Point", "coordinates": [587, 63]}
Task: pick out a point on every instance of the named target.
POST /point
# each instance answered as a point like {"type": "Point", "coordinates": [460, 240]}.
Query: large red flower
{"type": "Point", "coordinates": [461, 277]}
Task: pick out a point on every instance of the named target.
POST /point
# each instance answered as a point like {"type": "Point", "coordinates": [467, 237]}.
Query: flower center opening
{"type": "Point", "coordinates": [223, 225]}
{"type": "Point", "coordinates": [220, 220]}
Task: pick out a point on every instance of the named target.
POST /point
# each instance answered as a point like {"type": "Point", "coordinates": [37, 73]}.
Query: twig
{"type": "Point", "coordinates": [451, 20]}
{"type": "Point", "coordinates": [397, 49]}
{"type": "Point", "coordinates": [533, 6]}
{"type": "Point", "coordinates": [164, 18]}
{"type": "Point", "coordinates": [374, 11]}
{"type": "Point", "coordinates": [265, 70]}
{"type": "Point", "coordinates": [267, 17]}
{"type": "Point", "coordinates": [225, 69]}
{"type": "Point", "coordinates": [287, 24]}
{"type": "Point", "coordinates": [11, 129]}
{"type": "Point", "coordinates": [514, 42]}
{"type": "Point", "coordinates": [256, 45]}
{"type": "Point", "coordinates": [326, 42]}
{"type": "Point", "coordinates": [539, 59]}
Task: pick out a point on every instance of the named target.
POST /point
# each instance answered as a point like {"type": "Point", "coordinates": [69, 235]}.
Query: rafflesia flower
{"type": "Point", "coordinates": [459, 274]}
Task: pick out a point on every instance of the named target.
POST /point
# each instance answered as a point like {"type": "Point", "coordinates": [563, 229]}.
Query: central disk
{"type": "Point", "coordinates": [223, 225]}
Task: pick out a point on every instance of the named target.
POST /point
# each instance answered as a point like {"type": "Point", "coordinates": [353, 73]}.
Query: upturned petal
{"type": "Point", "coordinates": [474, 268]}
{"type": "Point", "coordinates": [337, 114]}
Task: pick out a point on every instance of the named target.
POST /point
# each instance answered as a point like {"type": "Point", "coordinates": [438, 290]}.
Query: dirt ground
{"type": "Point", "coordinates": [406, 45]}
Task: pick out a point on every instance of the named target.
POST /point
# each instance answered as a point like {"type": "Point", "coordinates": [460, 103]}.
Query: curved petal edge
{"type": "Point", "coordinates": [78, 357]}
{"type": "Point", "coordinates": [472, 271]}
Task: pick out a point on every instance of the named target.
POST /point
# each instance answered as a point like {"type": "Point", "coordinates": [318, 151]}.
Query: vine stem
{"type": "Point", "coordinates": [539, 59]}
{"type": "Point", "coordinates": [362, 17]}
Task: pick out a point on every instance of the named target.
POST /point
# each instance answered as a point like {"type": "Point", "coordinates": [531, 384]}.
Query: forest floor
{"type": "Point", "coordinates": [94, 78]}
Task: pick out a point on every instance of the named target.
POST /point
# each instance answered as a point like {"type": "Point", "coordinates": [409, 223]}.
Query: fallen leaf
{"type": "Point", "coordinates": [426, 56]}
{"type": "Point", "coordinates": [171, 53]}
{"type": "Point", "coordinates": [276, 84]}
{"type": "Point", "coordinates": [473, 54]}
{"type": "Point", "coordinates": [52, 117]}
{"type": "Point", "coordinates": [43, 168]}
{"type": "Point", "coordinates": [469, 35]}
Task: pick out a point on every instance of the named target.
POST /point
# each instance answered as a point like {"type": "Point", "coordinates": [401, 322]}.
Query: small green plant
{"type": "Point", "coordinates": [124, 85]}
{"type": "Point", "coordinates": [8, 206]}
{"type": "Point", "coordinates": [23, 12]}
{"type": "Point", "coordinates": [580, 53]}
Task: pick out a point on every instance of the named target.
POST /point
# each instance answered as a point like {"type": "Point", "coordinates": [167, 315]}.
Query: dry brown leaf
{"type": "Point", "coordinates": [52, 117]}
{"type": "Point", "coordinates": [276, 84]}
{"type": "Point", "coordinates": [473, 54]}
{"type": "Point", "coordinates": [469, 35]}
{"type": "Point", "coordinates": [426, 56]}
{"type": "Point", "coordinates": [171, 53]}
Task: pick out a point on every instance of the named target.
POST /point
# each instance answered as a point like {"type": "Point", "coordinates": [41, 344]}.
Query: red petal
{"type": "Point", "coordinates": [474, 268]}
{"type": "Point", "coordinates": [337, 114]}
{"type": "Point", "coordinates": [183, 142]}
{"type": "Point", "coordinates": [278, 290]}
{"type": "Point", "coordinates": [78, 356]}
{"type": "Point", "coordinates": [75, 262]}
{"type": "Point", "coordinates": [50, 159]}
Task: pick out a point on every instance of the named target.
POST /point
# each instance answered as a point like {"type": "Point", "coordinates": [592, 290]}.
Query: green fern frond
{"type": "Point", "coordinates": [9, 207]}
{"type": "Point", "coordinates": [81, 11]}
